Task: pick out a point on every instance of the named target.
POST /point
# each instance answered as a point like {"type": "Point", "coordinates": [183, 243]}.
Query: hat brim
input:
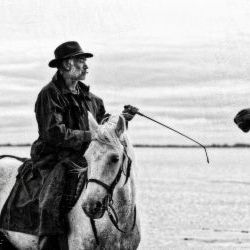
{"type": "Point", "coordinates": [54, 63]}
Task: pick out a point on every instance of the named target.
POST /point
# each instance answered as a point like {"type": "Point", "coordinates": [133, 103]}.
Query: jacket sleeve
{"type": "Point", "coordinates": [101, 114]}
{"type": "Point", "coordinates": [49, 113]}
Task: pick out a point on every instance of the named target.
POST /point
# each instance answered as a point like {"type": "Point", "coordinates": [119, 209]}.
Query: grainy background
{"type": "Point", "coordinates": [185, 63]}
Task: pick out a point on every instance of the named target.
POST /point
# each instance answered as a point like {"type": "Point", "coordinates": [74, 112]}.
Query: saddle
{"type": "Point", "coordinates": [41, 198]}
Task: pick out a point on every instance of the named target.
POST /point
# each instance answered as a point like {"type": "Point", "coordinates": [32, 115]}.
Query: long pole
{"type": "Point", "coordinates": [178, 132]}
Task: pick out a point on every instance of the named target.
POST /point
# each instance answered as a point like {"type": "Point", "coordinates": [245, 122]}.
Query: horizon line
{"type": "Point", "coordinates": [148, 145]}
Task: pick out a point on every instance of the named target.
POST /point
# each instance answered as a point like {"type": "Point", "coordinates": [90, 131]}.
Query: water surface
{"type": "Point", "coordinates": [184, 203]}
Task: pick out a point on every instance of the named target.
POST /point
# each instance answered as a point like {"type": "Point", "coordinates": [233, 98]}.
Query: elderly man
{"type": "Point", "coordinates": [61, 112]}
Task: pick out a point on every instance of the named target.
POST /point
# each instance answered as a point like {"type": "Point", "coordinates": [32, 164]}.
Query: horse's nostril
{"type": "Point", "coordinates": [98, 204]}
{"type": "Point", "coordinates": [93, 209]}
{"type": "Point", "coordinates": [96, 207]}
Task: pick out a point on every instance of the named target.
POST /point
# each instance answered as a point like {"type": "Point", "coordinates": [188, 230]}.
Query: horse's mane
{"type": "Point", "coordinates": [107, 133]}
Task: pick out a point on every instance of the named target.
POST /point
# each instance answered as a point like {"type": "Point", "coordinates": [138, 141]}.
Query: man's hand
{"type": "Point", "coordinates": [129, 112]}
{"type": "Point", "coordinates": [242, 119]}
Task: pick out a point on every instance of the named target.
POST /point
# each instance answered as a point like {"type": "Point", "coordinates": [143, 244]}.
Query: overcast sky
{"type": "Point", "coordinates": [174, 20]}
{"type": "Point", "coordinates": [184, 62]}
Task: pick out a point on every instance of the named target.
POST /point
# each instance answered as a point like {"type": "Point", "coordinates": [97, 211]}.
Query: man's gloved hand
{"type": "Point", "coordinates": [242, 119]}
{"type": "Point", "coordinates": [129, 112]}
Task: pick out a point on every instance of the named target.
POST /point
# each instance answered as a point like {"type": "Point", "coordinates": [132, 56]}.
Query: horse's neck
{"type": "Point", "coordinates": [124, 195]}
{"type": "Point", "coordinates": [124, 201]}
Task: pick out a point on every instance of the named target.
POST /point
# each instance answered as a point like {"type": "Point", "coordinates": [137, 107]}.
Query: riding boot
{"type": "Point", "coordinates": [53, 242]}
{"type": "Point", "coordinates": [48, 242]}
{"type": "Point", "coordinates": [63, 242]}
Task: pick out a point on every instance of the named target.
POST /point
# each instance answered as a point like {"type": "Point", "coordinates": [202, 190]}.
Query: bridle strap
{"type": "Point", "coordinates": [107, 187]}
{"type": "Point", "coordinates": [92, 222]}
{"type": "Point", "coordinates": [114, 219]}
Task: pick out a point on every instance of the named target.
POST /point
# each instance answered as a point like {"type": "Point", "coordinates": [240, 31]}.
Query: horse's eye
{"type": "Point", "coordinates": [114, 158]}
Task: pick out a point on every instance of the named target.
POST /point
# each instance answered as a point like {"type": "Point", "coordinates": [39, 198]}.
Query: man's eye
{"type": "Point", "coordinates": [81, 60]}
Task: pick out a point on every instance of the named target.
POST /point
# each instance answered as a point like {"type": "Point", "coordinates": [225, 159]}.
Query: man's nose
{"type": "Point", "coordinates": [85, 66]}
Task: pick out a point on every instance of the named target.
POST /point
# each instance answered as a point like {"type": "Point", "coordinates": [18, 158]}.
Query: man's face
{"type": "Point", "coordinates": [78, 69]}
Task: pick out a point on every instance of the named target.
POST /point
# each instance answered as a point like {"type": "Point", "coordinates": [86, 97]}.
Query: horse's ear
{"type": "Point", "coordinates": [121, 126]}
{"type": "Point", "coordinates": [93, 125]}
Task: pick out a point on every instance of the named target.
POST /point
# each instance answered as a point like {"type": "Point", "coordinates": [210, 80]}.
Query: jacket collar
{"type": "Point", "coordinates": [81, 88]}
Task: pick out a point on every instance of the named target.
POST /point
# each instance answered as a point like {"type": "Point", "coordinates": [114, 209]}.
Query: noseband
{"type": "Point", "coordinates": [110, 189]}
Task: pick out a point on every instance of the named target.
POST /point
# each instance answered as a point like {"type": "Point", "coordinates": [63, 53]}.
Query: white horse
{"type": "Point", "coordinates": [105, 215]}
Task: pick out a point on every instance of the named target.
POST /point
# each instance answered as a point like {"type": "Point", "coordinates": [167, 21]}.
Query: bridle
{"type": "Point", "coordinates": [110, 189]}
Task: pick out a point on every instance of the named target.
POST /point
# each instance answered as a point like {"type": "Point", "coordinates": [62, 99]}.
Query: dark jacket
{"type": "Point", "coordinates": [63, 120]}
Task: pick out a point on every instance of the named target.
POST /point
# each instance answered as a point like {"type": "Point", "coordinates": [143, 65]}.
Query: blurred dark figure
{"type": "Point", "coordinates": [242, 119]}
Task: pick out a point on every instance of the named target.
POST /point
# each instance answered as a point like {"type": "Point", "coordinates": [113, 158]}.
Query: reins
{"type": "Point", "coordinates": [110, 188]}
{"type": "Point", "coordinates": [22, 159]}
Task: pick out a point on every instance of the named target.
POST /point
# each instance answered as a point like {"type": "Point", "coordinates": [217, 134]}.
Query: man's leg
{"type": "Point", "coordinates": [51, 220]}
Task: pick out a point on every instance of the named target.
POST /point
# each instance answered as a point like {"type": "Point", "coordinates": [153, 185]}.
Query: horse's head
{"type": "Point", "coordinates": [106, 157]}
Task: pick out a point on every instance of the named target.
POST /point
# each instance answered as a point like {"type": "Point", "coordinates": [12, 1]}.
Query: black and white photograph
{"type": "Point", "coordinates": [124, 124]}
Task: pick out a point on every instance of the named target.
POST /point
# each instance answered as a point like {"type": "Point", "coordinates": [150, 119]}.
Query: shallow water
{"type": "Point", "coordinates": [185, 203]}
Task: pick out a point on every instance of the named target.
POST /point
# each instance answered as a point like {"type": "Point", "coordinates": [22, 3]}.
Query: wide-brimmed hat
{"type": "Point", "coordinates": [67, 50]}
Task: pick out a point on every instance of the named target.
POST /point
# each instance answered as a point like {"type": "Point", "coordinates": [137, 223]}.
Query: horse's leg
{"type": "Point", "coordinates": [22, 241]}
{"type": "Point", "coordinates": [5, 244]}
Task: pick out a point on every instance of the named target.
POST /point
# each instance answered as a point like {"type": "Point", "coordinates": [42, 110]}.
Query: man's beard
{"type": "Point", "coordinates": [76, 74]}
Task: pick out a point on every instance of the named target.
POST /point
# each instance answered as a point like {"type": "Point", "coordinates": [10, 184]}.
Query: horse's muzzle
{"type": "Point", "coordinates": [94, 209]}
